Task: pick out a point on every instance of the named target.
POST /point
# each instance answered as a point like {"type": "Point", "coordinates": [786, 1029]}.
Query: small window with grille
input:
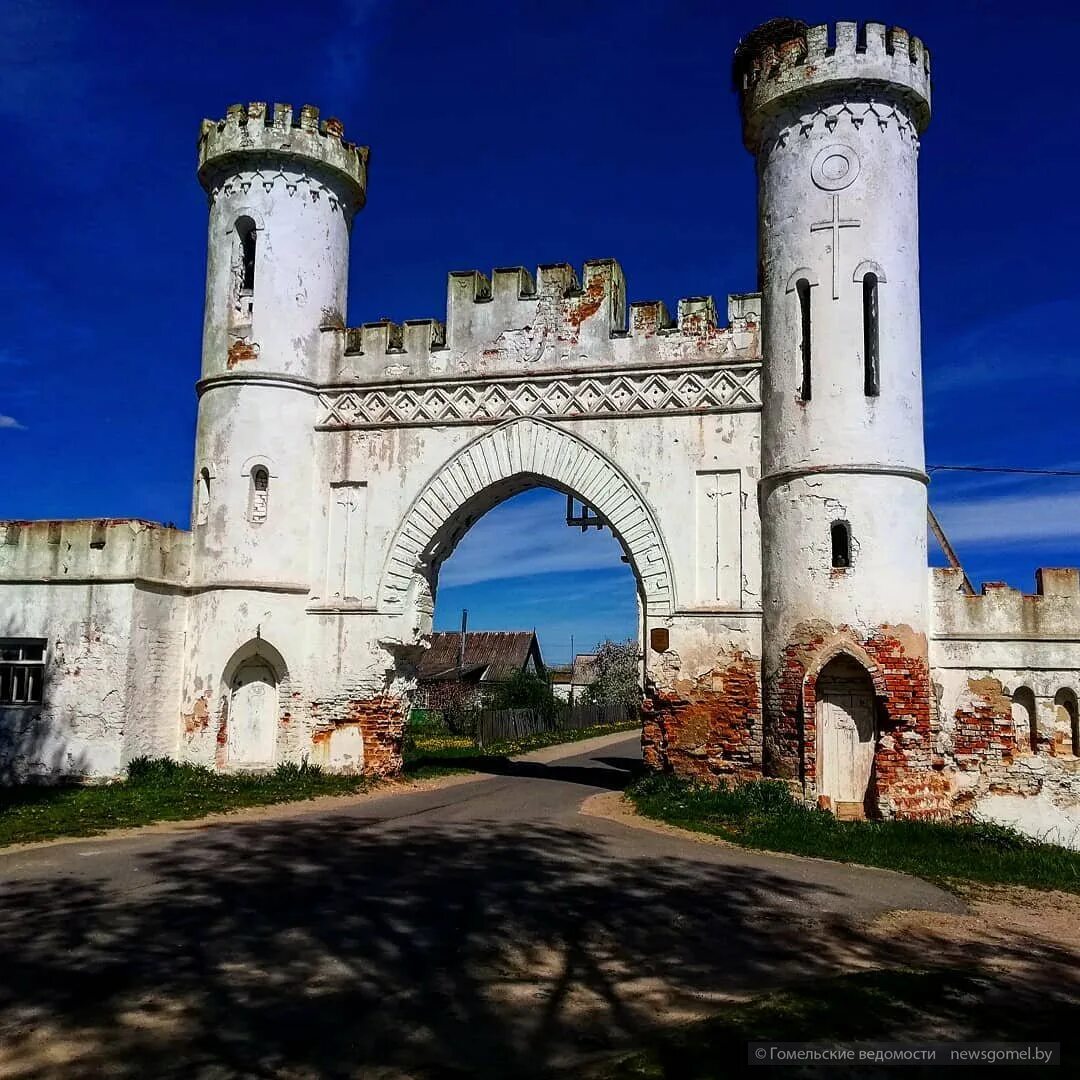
{"type": "Point", "coordinates": [259, 496]}
{"type": "Point", "coordinates": [22, 671]}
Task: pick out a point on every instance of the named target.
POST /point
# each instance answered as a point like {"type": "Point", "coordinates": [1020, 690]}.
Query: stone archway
{"type": "Point", "coordinates": [513, 457]}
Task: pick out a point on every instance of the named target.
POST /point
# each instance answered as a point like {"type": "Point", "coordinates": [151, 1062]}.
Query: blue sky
{"type": "Point", "coordinates": [506, 133]}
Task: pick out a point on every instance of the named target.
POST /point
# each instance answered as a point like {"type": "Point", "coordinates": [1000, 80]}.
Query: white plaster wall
{"type": "Point", "coordinates": [841, 455]}
{"type": "Point", "coordinates": [80, 728]}
{"type": "Point", "coordinates": [106, 597]}
{"type": "Point", "coordinates": [301, 261]}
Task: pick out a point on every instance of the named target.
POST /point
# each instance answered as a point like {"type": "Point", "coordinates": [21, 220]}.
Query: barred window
{"type": "Point", "coordinates": [259, 496]}
{"type": "Point", "coordinates": [22, 670]}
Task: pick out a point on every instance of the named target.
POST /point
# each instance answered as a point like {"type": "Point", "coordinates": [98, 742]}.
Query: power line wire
{"type": "Point", "coordinates": [1003, 469]}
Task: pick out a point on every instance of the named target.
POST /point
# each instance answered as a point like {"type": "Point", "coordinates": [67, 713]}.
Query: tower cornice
{"type": "Point", "coordinates": [784, 60]}
{"type": "Point", "coordinates": [250, 133]}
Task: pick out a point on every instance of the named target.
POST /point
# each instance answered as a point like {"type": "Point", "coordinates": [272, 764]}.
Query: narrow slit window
{"type": "Point", "coordinates": [260, 494]}
{"type": "Point", "coordinates": [245, 230]}
{"type": "Point", "coordinates": [840, 536]}
{"type": "Point", "coordinates": [202, 498]}
{"type": "Point", "coordinates": [871, 373]}
{"type": "Point", "coordinates": [802, 289]}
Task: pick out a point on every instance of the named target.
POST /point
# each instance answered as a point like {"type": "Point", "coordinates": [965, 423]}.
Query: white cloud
{"type": "Point", "coordinates": [10, 422]}
{"type": "Point", "coordinates": [525, 539]}
{"type": "Point", "coordinates": [1013, 519]}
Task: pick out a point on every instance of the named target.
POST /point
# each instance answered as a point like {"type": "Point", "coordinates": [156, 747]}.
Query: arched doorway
{"type": "Point", "coordinates": [847, 737]}
{"type": "Point", "coordinates": [253, 714]}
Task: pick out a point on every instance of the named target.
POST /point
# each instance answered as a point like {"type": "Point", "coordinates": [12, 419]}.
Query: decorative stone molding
{"type": "Point", "coordinates": [684, 390]}
{"type": "Point", "coordinates": [513, 456]}
{"type": "Point", "coordinates": [881, 115]}
{"type": "Point", "coordinates": [297, 182]}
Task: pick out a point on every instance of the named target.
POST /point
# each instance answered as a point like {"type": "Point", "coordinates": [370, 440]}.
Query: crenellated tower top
{"type": "Point", "coordinates": [785, 58]}
{"type": "Point", "coordinates": [253, 131]}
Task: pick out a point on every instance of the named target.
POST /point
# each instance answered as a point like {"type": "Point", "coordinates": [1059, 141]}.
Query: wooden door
{"type": "Point", "coordinates": [846, 761]}
{"type": "Point", "coordinates": [253, 716]}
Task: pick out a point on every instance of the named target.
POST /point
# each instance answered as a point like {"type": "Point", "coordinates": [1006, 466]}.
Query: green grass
{"type": "Point", "coordinates": [765, 815]}
{"type": "Point", "coordinates": [156, 790]}
{"type": "Point", "coordinates": [899, 1004]}
{"type": "Point", "coordinates": [431, 752]}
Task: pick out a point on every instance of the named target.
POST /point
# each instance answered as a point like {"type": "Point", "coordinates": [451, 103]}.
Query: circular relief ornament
{"type": "Point", "coordinates": [835, 167]}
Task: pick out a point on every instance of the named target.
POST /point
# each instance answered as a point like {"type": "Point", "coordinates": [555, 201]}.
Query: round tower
{"type": "Point", "coordinates": [282, 193]}
{"type": "Point", "coordinates": [833, 116]}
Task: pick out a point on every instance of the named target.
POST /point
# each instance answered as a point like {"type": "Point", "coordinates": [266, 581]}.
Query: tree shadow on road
{"type": "Point", "coordinates": [338, 947]}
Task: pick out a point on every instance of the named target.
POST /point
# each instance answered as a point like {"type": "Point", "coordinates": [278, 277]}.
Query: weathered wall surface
{"type": "Point", "coordinates": [556, 380]}
{"type": "Point", "coordinates": [103, 595]}
{"type": "Point", "coordinates": [987, 651]}
{"type": "Point", "coordinates": [834, 124]}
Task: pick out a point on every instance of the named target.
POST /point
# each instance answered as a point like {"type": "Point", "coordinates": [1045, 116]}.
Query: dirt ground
{"type": "Point", "coordinates": [1011, 932]}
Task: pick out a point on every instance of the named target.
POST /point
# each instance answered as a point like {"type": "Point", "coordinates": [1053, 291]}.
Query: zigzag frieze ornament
{"type": "Point", "coordinates": [731, 388]}
{"type": "Point", "coordinates": [876, 115]}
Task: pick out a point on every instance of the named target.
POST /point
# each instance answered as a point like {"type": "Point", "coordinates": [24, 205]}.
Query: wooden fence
{"type": "Point", "coordinates": [497, 724]}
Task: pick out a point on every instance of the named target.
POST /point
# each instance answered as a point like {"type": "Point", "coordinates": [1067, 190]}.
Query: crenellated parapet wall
{"type": "Point", "coordinates": [93, 550]}
{"type": "Point", "coordinates": [1051, 613]}
{"type": "Point", "coordinates": [253, 132]}
{"type": "Point", "coordinates": [785, 59]}
{"type": "Point", "coordinates": [552, 345]}
{"type": "Point", "coordinates": [1006, 669]}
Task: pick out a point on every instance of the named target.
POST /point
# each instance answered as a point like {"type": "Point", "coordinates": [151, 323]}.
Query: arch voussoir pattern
{"type": "Point", "coordinates": [520, 449]}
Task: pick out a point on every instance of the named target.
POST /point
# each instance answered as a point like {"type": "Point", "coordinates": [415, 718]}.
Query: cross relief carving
{"type": "Point", "coordinates": [834, 225]}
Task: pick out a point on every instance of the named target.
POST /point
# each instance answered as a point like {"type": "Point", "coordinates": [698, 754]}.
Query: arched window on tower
{"type": "Point", "coordinates": [243, 273]}
{"type": "Point", "coordinates": [802, 289]}
{"type": "Point", "coordinates": [202, 497]}
{"type": "Point", "coordinates": [871, 362]}
{"type": "Point", "coordinates": [840, 537]}
{"type": "Point", "coordinates": [259, 495]}
{"type": "Point", "coordinates": [245, 231]}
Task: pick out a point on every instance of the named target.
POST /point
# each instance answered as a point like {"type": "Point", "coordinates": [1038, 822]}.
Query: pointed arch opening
{"type": "Point", "coordinates": [845, 716]}
{"type": "Point", "coordinates": [1067, 715]}
{"type": "Point", "coordinates": [1025, 719]}
{"type": "Point", "coordinates": [503, 462]}
{"type": "Point", "coordinates": [253, 684]}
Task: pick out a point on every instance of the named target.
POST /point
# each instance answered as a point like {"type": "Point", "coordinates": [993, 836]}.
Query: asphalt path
{"type": "Point", "coordinates": [483, 928]}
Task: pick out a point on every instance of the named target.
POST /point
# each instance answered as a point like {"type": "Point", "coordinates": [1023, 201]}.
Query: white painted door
{"type": "Point", "coordinates": [847, 745]}
{"type": "Point", "coordinates": [253, 716]}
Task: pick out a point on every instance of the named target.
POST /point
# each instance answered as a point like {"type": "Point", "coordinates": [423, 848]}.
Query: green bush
{"type": "Point", "coordinates": [524, 690]}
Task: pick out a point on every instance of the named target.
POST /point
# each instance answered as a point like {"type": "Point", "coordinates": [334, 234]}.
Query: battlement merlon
{"type": "Point", "coordinates": [785, 58]}
{"type": "Point", "coordinates": [513, 309]}
{"type": "Point", "coordinates": [93, 549]}
{"type": "Point", "coordinates": [251, 131]}
{"type": "Point", "coordinates": [1052, 612]}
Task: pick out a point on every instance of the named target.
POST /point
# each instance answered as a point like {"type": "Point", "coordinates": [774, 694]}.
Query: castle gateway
{"type": "Point", "coordinates": [765, 478]}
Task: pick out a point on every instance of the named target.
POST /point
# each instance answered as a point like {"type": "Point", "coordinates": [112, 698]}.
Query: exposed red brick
{"type": "Point", "coordinates": [240, 352]}
{"type": "Point", "coordinates": [198, 719]}
{"type": "Point", "coordinates": [381, 722]}
{"type": "Point", "coordinates": [708, 729]}
{"type": "Point", "coordinates": [907, 780]}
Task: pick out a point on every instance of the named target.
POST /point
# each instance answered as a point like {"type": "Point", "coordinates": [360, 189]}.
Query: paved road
{"type": "Point", "coordinates": [486, 929]}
